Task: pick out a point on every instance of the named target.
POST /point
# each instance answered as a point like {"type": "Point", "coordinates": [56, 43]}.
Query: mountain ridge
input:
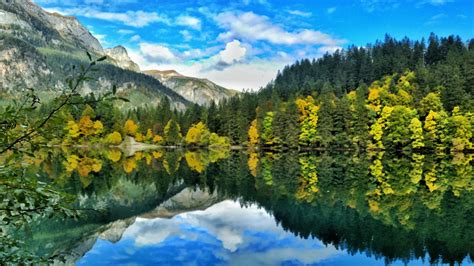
{"type": "Point", "coordinates": [39, 48]}
{"type": "Point", "coordinates": [198, 90]}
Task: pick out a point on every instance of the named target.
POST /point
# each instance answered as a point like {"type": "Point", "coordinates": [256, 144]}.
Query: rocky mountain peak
{"type": "Point", "coordinates": [200, 91]}
{"type": "Point", "coordinates": [121, 57]}
{"type": "Point", "coordinates": [163, 75]}
{"type": "Point", "coordinates": [118, 50]}
{"type": "Point", "coordinates": [52, 28]}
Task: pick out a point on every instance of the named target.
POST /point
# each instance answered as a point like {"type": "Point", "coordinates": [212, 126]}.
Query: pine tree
{"type": "Point", "coordinates": [172, 133]}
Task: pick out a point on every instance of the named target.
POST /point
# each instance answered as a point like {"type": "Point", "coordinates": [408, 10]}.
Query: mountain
{"type": "Point", "coordinates": [120, 55]}
{"type": "Point", "coordinates": [29, 22]}
{"type": "Point", "coordinates": [38, 49]}
{"type": "Point", "coordinates": [200, 91]}
{"type": "Point", "coordinates": [41, 50]}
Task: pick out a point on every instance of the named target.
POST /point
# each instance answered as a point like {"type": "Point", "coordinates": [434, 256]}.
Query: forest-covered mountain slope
{"type": "Point", "coordinates": [41, 50]}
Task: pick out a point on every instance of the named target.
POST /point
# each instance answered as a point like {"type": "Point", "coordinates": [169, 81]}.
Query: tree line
{"type": "Point", "coordinates": [395, 95]}
{"type": "Point", "coordinates": [390, 95]}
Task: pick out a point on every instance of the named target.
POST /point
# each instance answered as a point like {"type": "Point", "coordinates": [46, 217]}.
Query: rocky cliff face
{"type": "Point", "coordinates": [51, 28]}
{"type": "Point", "coordinates": [200, 91]}
{"type": "Point", "coordinates": [120, 55]}
{"type": "Point", "coordinates": [38, 50]}
{"type": "Point", "coordinates": [21, 66]}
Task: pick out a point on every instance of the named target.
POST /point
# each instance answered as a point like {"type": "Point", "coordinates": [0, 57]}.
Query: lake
{"type": "Point", "coordinates": [208, 207]}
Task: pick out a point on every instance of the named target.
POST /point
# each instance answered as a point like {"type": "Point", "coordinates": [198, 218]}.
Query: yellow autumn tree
{"type": "Point", "coordinates": [461, 131]}
{"type": "Point", "coordinates": [377, 129]}
{"type": "Point", "coordinates": [435, 130]}
{"type": "Point", "coordinates": [416, 133]}
{"type": "Point", "coordinates": [373, 100]}
{"type": "Point", "coordinates": [84, 166]}
{"type": "Point", "coordinates": [253, 163]}
{"type": "Point", "coordinates": [253, 133]}
{"type": "Point", "coordinates": [195, 161]}
{"type": "Point", "coordinates": [73, 129]}
{"type": "Point", "coordinates": [149, 135]}
{"type": "Point", "coordinates": [198, 134]}
{"type": "Point", "coordinates": [85, 127]}
{"type": "Point", "coordinates": [157, 139]}
{"type": "Point", "coordinates": [98, 127]}
{"type": "Point", "coordinates": [139, 137]}
{"type": "Point", "coordinates": [114, 138]}
{"type": "Point", "coordinates": [308, 118]}
{"type": "Point", "coordinates": [130, 128]}
{"type": "Point", "coordinates": [129, 165]}
{"type": "Point", "coordinates": [114, 155]}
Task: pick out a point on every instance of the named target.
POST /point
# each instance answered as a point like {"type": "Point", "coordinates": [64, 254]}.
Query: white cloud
{"type": "Point", "coordinates": [300, 13]}
{"type": "Point", "coordinates": [186, 35]}
{"type": "Point", "coordinates": [331, 10]}
{"type": "Point", "coordinates": [193, 53]}
{"type": "Point", "coordinates": [125, 32]}
{"type": "Point", "coordinates": [189, 21]}
{"type": "Point", "coordinates": [208, 63]}
{"type": "Point", "coordinates": [328, 49]}
{"type": "Point", "coordinates": [253, 27]}
{"type": "Point", "coordinates": [135, 38]}
{"type": "Point", "coordinates": [233, 52]}
{"type": "Point", "coordinates": [243, 76]}
{"type": "Point", "coordinates": [136, 19]}
{"type": "Point", "coordinates": [156, 52]}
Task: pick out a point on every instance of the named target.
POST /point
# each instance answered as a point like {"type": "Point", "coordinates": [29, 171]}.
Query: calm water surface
{"type": "Point", "coordinates": [236, 208]}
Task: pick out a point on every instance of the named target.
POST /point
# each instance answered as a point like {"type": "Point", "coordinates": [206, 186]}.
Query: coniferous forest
{"type": "Point", "coordinates": [394, 94]}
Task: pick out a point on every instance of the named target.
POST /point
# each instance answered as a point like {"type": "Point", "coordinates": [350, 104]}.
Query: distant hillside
{"type": "Point", "coordinates": [39, 49]}
{"type": "Point", "coordinates": [200, 91]}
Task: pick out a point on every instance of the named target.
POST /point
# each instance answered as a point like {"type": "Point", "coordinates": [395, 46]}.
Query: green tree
{"type": "Point", "coordinates": [172, 134]}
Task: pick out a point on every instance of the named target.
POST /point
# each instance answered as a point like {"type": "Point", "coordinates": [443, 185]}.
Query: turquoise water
{"type": "Point", "coordinates": [238, 208]}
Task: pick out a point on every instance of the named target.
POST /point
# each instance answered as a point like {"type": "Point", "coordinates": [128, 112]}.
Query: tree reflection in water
{"type": "Point", "coordinates": [392, 206]}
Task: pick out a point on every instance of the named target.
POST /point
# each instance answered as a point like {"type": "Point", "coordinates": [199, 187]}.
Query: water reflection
{"type": "Point", "coordinates": [175, 206]}
{"type": "Point", "coordinates": [222, 234]}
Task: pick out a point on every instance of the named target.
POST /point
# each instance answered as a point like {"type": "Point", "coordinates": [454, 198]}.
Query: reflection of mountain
{"type": "Point", "coordinates": [71, 240]}
{"type": "Point", "coordinates": [378, 205]}
{"type": "Point", "coordinates": [185, 201]}
{"type": "Point", "coordinates": [223, 234]}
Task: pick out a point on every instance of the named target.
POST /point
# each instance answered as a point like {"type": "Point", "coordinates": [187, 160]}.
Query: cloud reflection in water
{"type": "Point", "coordinates": [224, 234]}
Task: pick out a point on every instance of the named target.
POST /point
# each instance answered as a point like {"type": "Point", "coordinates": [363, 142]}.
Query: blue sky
{"type": "Point", "coordinates": [242, 43]}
